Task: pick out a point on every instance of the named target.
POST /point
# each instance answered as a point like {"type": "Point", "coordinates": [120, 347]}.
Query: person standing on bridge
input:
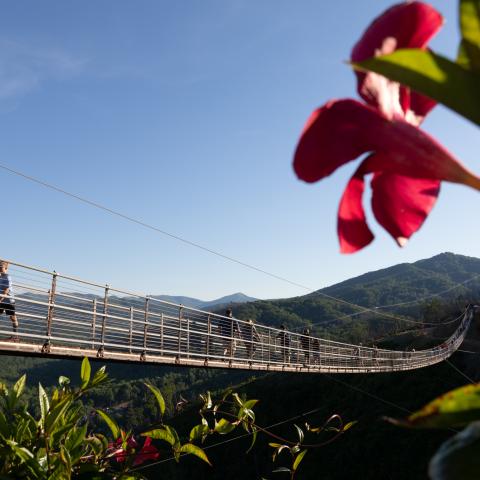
{"type": "Point", "coordinates": [7, 300]}
{"type": "Point", "coordinates": [284, 337]}
{"type": "Point", "coordinates": [305, 342]}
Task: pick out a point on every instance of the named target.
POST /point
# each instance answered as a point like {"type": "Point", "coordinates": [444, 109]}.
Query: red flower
{"type": "Point", "coordinates": [147, 452]}
{"type": "Point", "coordinates": [406, 163]}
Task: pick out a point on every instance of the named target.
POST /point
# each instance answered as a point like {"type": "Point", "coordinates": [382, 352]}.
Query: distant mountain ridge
{"type": "Point", "coordinates": [409, 281]}
{"type": "Point", "coordinates": [234, 298]}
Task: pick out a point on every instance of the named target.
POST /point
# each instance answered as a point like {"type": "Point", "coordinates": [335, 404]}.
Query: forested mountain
{"type": "Point", "coordinates": [412, 289]}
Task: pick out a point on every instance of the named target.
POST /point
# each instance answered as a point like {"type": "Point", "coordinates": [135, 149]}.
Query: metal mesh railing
{"type": "Point", "coordinates": [64, 316]}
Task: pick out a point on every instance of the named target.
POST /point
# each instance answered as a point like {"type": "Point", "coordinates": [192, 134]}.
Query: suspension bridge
{"type": "Point", "coordinates": [65, 317]}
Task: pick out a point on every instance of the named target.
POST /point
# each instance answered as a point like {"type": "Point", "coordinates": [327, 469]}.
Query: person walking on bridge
{"type": "Point", "coordinates": [7, 300]}
{"type": "Point", "coordinates": [229, 328]}
{"type": "Point", "coordinates": [250, 338]}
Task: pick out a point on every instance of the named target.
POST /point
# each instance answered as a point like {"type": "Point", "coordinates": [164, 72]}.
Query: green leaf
{"type": "Point", "coordinates": [26, 456]}
{"type": "Point", "coordinates": [237, 399]}
{"type": "Point", "coordinates": [249, 404]}
{"type": "Point", "coordinates": [282, 470]}
{"type": "Point", "coordinates": [20, 385]}
{"type": "Point", "coordinates": [57, 436]}
{"type": "Point", "coordinates": [199, 432]}
{"type": "Point", "coordinates": [245, 414]}
{"type": "Point", "coordinates": [207, 400]}
{"type": "Point", "coordinates": [76, 437]}
{"type": "Point", "coordinates": [165, 434]}
{"type": "Point", "coordinates": [299, 432]}
{"type": "Point", "coordinates": [85, 371]}
{"type": "Point", "coordinates": [452, 409]}
{"type": "Point", "coordinates": [4, 426]}
{"type": "Point", "coordinates": [95, 444]}
{"type": "Point", "coordinates": [298, 459]}
{"type": "Point", "coordinates": [66, 459]}
{"type": "Point", "coordinates": [458, 457]}
{"type": "Point", "coordinates": [254, 439]}
{"type": "Point", "coordinates": [159, 397]}
{"type": "Point", "coordinates": [434, 76]}
{"type": "Point", "coordinates": [56, 413]}
{"type": "Point", "coordinates": [223, 426]}
{"type": "Point", "coordinates": [44, 403]}
{"type": "Point", "coordinates": [469, 54]}
{"type": "Point", "coordinates": [192, 449]}
{"type": "Point", "coordinates": [63, 381]}
{"type": "Point", "coordinates": [349, 425]}
{"type": "Point", "coordinates": [111, 424]}
{"type": "Point", "coordinates": [278, 449]}
{"type": "Point", "coordinates": [99, 377]}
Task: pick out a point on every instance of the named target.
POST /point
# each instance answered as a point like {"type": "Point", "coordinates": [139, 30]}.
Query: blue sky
{"type": "Point", "coordinates": [185, 115]}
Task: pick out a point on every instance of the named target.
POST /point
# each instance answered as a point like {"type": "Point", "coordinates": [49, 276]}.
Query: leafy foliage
{"type": "Point", "coordinates": [57, 444]}
{"type": "Point", "coordinates": [61, 444]}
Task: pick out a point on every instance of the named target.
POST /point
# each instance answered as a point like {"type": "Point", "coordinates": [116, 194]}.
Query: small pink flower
{"type": "Point", "coordinates": [407, 164]}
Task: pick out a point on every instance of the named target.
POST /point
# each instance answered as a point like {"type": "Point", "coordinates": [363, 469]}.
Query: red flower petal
{"type": "Point", "coordinates": [131, 442]}
{"type": "Point", "coordinates": [406, 25]}
{"type": "Point", "coordinates": [332, 136]}
{"type": "Point", "coordinates": [411, 24]}
{"type": "Point", "coordinates": [401, 204]}
{"type": "Point", "coordinates": [421, 105]}
{"type": "Point", "coordinates": [148, 452]}
{"type": "Point", "coordinates": [342, 130]}
{"type": "Point", "coordinates": [352, 228]}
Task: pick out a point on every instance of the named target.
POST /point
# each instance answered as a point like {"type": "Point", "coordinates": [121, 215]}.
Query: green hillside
{"type": "Point", "coordinates": [455, 277]}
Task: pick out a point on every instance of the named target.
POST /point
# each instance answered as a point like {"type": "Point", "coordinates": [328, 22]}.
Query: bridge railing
{"type": "Point", "coordinates": [59, 310]}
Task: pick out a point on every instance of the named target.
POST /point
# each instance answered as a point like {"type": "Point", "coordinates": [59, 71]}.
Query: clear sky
{"type": "Point", "coordinates": [185, 114]}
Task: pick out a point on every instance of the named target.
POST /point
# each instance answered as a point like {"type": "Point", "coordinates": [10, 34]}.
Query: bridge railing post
{"type": "Point", "coordinates": [179, 345]}
{"type": "Point", "coordinates": [161, 332]}
{"type": "Point", "coordinates": [50, 311]}
{"type": "Point", "coordinates": [94, 320]}
{"type": "Point", "coordinates": [145, 330]}
{"type": "Point", "coordinates": [188, 337]}
{"type": "Point", "coordinates": [209, 331]}
{"type": "Point", "coordinates": [130, 331]}
{"type": "Point", "coordinates": [101, 350]}
{"type": "Point", "coordinates": [269, 345]}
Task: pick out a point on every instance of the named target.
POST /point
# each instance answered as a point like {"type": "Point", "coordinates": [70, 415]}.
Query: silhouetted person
{"type": "Point", "coordinates": [305, 343]}
{"type": "Point", "coordinates": [316, 350]}
{"type": "Point", "coordinates": [7, 300]}
{"type": "Point", "coordinates": [250, 338]}
{"type": "Point", "coordinates": [375, 355]}
{"type": "Point", "coordinates": [284, 337]}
